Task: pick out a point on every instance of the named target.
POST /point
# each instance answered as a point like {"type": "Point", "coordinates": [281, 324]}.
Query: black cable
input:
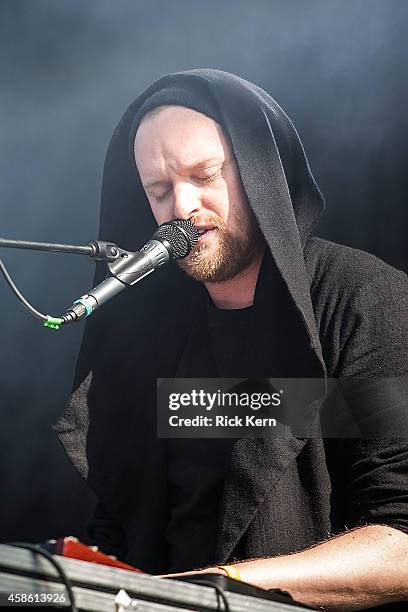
{"type": "Point", "coordinates": [64, 578]}
{"type": "Point", "coordinates": [17, 293]}
{"type": "Point", "coordinates": [219, 590]}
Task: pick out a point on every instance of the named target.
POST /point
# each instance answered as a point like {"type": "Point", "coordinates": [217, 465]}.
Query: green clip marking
{"type": "Point", "coordinates": [52, 322]}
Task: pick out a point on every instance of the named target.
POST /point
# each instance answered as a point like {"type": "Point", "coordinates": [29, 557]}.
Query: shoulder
{"type": "Point", "coordinates": [361, 309]}
{"type": "Point", "coordinates": [341, 269]}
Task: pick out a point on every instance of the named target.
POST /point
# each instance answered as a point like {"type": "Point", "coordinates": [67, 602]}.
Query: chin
{"type": "Point", "coordinates": [210, 269]}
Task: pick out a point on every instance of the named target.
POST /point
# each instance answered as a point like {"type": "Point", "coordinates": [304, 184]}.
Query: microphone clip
{"type": "Point", "coordinates": [103, 251]}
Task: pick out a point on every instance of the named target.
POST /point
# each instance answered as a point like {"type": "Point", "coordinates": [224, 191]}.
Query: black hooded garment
{"type": "Point", "coordinates": [320, 309]}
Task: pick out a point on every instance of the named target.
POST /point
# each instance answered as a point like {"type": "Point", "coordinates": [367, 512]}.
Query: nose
{"type": "Point", "coordinates": [186, 201]}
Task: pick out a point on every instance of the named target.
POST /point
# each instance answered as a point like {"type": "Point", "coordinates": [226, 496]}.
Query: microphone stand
{"type": "Point", "coordinates": [126, 268]}
{"type": "Point", "coordinates": [95, 250]}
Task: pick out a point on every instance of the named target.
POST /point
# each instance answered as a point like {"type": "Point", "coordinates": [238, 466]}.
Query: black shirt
{"type": "Point", "coordinates": [196, 466]}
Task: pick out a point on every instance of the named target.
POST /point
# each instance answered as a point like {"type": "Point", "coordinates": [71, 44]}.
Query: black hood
{"type": "Point", "coordinates": [140, 335]}
{"type": "Point", "coordinates": [272, 163]}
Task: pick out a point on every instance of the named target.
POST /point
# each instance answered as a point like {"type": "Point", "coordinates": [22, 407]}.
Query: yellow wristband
{"type": "Point", "coordinates": [231, 571]}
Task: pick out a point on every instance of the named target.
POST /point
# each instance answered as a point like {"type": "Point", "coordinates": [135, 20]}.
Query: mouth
{"type": "Point", "coordinates": [204, 233]}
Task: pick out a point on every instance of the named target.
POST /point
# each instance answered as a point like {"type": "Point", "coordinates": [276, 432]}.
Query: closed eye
{"type": "Point", "coordinates": [203, 181]}
{"type": "Point", "coordinates": [162, 197]}
{"type": "Point", "coordinates": [209, 179]}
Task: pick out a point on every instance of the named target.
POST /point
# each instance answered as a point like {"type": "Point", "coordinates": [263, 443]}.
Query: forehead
{"type": "Point", "coordinates": [178, 135]}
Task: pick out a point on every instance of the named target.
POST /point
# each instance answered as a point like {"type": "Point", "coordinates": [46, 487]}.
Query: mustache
{"type": "Point", "coordinates": [209, 220]}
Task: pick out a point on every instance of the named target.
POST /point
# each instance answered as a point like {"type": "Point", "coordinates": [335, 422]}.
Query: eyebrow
{"type": "Point", "coordinates": [200, 164]}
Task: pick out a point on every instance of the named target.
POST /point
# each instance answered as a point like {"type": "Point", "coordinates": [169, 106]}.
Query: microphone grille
{"type": "Point", "coordinates": [181, 234]}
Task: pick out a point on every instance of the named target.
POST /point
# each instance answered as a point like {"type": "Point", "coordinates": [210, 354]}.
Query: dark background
{"type": "Point", "coordinates": [69, 68]}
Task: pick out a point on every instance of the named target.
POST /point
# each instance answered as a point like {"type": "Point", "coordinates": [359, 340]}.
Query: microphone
{"type": "Point", "coordinates": [171, 241]}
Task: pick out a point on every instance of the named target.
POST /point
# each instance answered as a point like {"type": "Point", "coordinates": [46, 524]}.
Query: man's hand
{"type": "Point", "coordinates": [361, 568]}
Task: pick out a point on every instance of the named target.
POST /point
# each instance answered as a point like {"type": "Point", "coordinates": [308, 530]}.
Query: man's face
{"type": "Point", "coordinates": [188, 171]}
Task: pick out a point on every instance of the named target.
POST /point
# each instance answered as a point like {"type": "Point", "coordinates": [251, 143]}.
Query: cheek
{"type": "Point", "coordinates": [160, 213]}
{"type": "Point", "coordinates": [240, 208]}
{"type": "Point", "coordinates": [217, 200]}
{"type": "Point", "coordinates": [233, 196]}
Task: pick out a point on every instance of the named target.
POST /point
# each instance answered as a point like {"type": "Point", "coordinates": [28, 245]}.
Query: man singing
{"type": "Point", "coordinates": [258, 297]}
